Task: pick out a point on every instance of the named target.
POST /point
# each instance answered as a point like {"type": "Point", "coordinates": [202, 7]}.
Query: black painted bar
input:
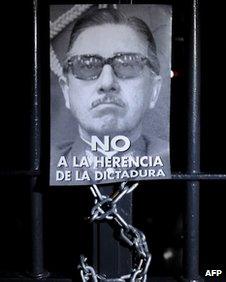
{"type": "Point", "coordinates": [198, 177]}
{"type": "Point", "coordinates": [37, 257]}
{"type": "Point", "coordinates": [109, 256]}
{"type": "Point", "coordinates": [191, 250]}
{"type": "Point", "coordinates": [175, 176]}
{"type": "Point", "coordinates": [63, 279]}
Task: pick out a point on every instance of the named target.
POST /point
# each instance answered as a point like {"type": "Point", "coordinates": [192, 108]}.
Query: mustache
{"type": "Point", "coordinates": [111, 99]}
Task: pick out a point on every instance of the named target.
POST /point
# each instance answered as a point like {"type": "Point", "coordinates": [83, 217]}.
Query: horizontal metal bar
{"type": "Point", "coordinates": [21, 278]}
{"type": "Point", "coordinates": [62, 279]}
{"type": "Point", "coordinates": [10, 173]}
{"type": "Point", "coordinates": [198, 176]}
{"type": "Point", "coordinates": [175, 176]}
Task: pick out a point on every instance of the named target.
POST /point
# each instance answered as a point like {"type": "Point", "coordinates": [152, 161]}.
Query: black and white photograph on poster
{"type": "Point", "coordinates": [110, 93]}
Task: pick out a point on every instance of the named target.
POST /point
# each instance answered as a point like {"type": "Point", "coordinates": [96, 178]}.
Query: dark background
{"type": "Point", "coordinates": [158, 206]}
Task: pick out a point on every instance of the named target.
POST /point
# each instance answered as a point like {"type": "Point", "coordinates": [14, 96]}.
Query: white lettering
{"type": "Point", "coordinates": [96, 141]}
{"type": "Point", "coordinates": [62, 162]}
{"type": "Point", "coordinates": [157, 161]}
{"type": "Point", "coordinates": [123, 140]}
{"type": "Point", "coordinates": [213, 272]}
{"type": "Point", "coordinates": [63, 175]}
{"type": "Point", "coordinates": [82, 175]}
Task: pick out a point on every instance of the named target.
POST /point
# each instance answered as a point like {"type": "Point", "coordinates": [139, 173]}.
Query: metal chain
{"type": "Point", "coordinates": [105, 208]}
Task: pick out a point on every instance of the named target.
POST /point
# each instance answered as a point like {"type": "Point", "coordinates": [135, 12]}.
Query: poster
{"type": "Point", "coordinates": [110, 93]}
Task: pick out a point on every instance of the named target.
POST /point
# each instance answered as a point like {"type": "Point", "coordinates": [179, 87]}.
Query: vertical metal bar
{"type": "Point", "coordinates": [110, 257]}
{"type": "Point", "coordinates": [37, 265]}
{"type": "Point", "coordinates": [191, 252]}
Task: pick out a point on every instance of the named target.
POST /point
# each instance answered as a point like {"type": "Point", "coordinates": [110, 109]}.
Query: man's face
{"type": "Point", "coordinates": [110, 104]}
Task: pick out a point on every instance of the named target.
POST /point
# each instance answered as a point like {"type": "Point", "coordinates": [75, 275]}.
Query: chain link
{"type": "Point", "coordinates": [105, 208]}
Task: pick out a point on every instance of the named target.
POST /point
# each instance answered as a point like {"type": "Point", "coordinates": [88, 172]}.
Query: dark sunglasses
{"type": "Point", "coordinates": [125, 65]}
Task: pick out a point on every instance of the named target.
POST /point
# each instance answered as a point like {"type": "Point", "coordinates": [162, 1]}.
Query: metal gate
{"type": "Point", "coordinates": [51, 223]}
